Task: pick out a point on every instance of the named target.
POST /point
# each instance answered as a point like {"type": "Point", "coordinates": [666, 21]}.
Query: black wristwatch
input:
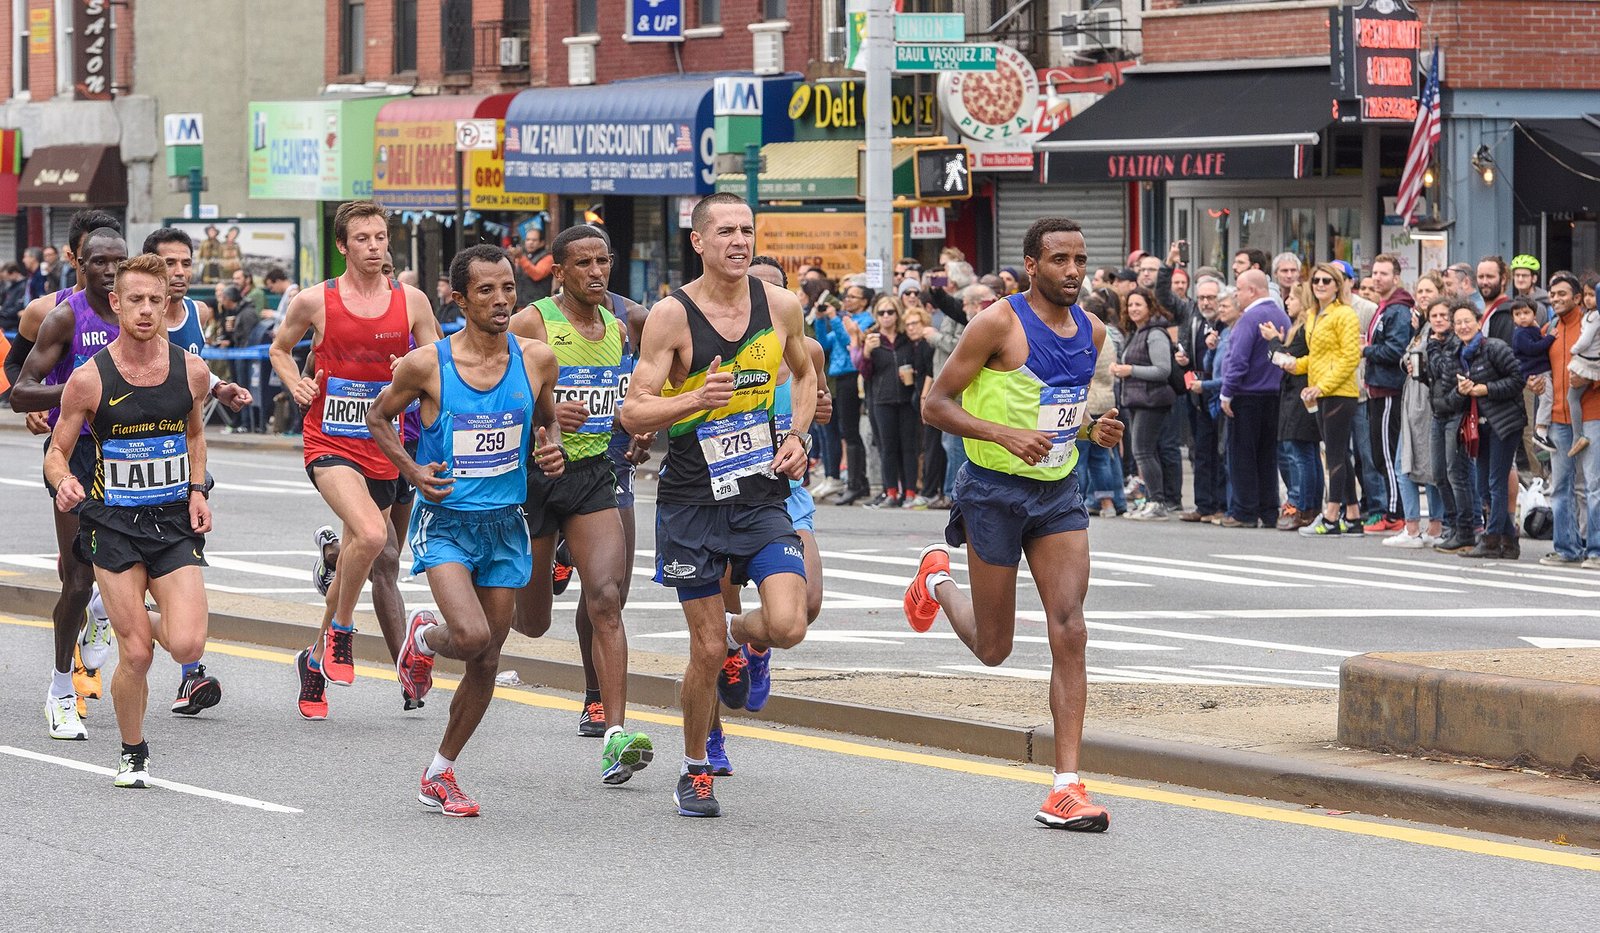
{"type": "Point", "coordinates": [197, 488]}
{"type": "Point", "coordinates": [804, 439]}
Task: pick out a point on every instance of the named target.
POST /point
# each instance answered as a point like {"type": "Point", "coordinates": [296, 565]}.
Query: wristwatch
{"type": "Point", "coordinates": [804, 439]}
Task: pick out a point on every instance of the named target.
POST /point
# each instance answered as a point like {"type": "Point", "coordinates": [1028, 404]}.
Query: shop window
{"type": "Point", "coordinates": [405, 35]}
{"type": "Point", "coordinates": [586, 18]}
{"type": "Point", "coordinates": [1300, 233]}
{"type": "Point", "coordinates": [1344, 234]}
{"type": "Point", "coordinates": [774, 10]}
{"type": "Point", "coordinates": [1258, 228]}
{"type": "Point", "coordinates": [711, 12]}
{"type": "Point", "coordinates": [353, 37]}
{"type": "Point", "coordinates": [1212, 241]}
{"type": "Point", "coordinates": [455, 22]}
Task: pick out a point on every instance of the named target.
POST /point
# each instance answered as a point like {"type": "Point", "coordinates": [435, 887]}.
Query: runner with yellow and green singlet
{"type": "Point", "coordinates": [582, 502]}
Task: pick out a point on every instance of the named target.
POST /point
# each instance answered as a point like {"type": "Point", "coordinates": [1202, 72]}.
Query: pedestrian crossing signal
{"type": "Point", "coordinates": [943, 173]}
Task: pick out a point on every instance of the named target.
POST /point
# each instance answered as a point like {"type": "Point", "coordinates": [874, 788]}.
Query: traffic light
{"type": "Point", "coordinates": [943, 173]}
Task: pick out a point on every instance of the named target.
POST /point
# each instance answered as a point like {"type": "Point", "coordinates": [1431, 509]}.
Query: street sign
{"type": "Point", "coordinates": [736, 97]}
{"type": "Point", "coordinates": [184, 129]}
{"type": "Point", "coordinates": [945, 57]}
{"type": "Point", "coordinates": [655, 21]}
{"type": "Point", "coordinates": [942, 173]}
{"type": "Point", "coordinates": [930, 27]}
{"type": "Point", "coordinates": [476, 135]}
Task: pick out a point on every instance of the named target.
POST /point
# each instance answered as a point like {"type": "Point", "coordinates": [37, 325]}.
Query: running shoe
{"type": "Point", "coordinates": [1382, 525]}
{"type": "Point", "coordinates": [760, 678]}
{"type": "Point", "coordinates": [94, 641]}
{"type": "Point", "coordinates": [441, 793]}
{"type": "Point", "coordinates": [196, 692]}
{"type": "Point", "coordinates": [625, 753]}
{"type": "Point", "coordinates": [414, 668]}
{"type": "Point", "coordinates": [313, 688]}
{"type": "Point", "coordinates": [733, 684]}
{"type": "Point", "coordinates": [921, 608]}
{"type": "Point", "coordinates": [65, 723]}
{"type": "Point", "coordinates": [338, 656]}
{"type": "Point", "coordinates": [1349, 526]}
{"type": "Point", "coordinates": [717, 753]}
{"type": "Point", "coordinates": [1322, 527]}
{"type": "Point", "coordinates": [592, 719]}
{"type": "Point", "coordinates": [1069, 808]}
{"type": "Point", "coordinates": [1404, 539]}
{"type": "Point", "coordinates": [133, 770]}
{"type": "Point", "coordinates": [85, 682]}
{"type": "Point", "coordinates": [693, 793]}
{"type": "Point", "coordinates": [321, 573]}
{"type": "Point", "coordinates": [409, 702]}
{"type": "Point", "coordinates": [561, 569]}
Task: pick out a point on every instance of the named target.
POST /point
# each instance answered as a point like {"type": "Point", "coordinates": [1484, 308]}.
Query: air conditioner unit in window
{"type": "Point", "coordinates": [1091, 31]}
{"type": "Point", "coordinates": [513, 52]}
{"type": "Point", "coordinates": [768, 52]}
{"type": "Point", "coordinates": [833, 45]}
{"type": "Point", "coordinates": [580, 64]}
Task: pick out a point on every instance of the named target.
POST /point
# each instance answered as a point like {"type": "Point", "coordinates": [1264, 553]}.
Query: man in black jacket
{"type": "Point", "coordinates": [1387, 337]}
{"type": "Point", "coordinates": [1210, 483]}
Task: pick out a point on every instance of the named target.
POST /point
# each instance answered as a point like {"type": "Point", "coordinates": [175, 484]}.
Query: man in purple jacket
{"type": "Point", "coordinates": [1250, 400]}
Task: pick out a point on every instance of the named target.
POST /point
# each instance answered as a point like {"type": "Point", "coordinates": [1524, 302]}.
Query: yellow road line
{"type": "Point", "coordinates": [1027, 775]}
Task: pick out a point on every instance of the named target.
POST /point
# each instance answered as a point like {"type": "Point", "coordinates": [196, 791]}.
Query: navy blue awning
{"type": "Point", "coordinates": [650, 137]}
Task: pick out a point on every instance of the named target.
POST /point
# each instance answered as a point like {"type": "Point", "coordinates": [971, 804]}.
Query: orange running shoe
{"type": "Point", "coordinates": [1069, 808]}
{"type": "Point", "coordinates": [338, 655]}
{"type": "Point", "coordinates": [414, 669]}
{"type": "Point", "coordinates": [922, 609]}
{"type": "Point", "coordinates": [441, 793]}
{"type": "Point", "coordinates": [313, 688]}
{"type": "Point", "coordinates": [85, 683]}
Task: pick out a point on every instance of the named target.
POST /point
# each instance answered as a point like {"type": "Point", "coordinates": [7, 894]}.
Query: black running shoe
{"type": "Point", "coordinates": [733, 682]}
{"type": "Point", "coordinates": [196, 692]}
{"type": "Point", "coordinates": [592, 718]}
{"type": "Point", "coordinates": [693, 794]}
{"type": "Point", "coordinates": [410, 702]}
{"type": "Point", "coordinates": [561, 570]}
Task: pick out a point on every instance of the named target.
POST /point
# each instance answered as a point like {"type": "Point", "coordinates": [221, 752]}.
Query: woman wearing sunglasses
{"type": "Point", "coordinates": [1333, 350]}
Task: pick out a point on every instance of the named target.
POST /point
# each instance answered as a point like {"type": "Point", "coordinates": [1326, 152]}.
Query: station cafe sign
{"type": "Point", "coordinates": [1001, 113]}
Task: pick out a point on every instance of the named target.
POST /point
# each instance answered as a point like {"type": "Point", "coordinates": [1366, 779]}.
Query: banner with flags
{"type": "Point", "coordinates": [1424, 138]}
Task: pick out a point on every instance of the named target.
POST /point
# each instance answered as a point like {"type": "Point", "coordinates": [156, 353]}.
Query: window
{"type": "Point", "coordinates": [774, 10]}
{"type": "Point", "coordinates": [405, 35]}
{"type": "Point", "coordinates": [710, 12]}
{"type": "Point", "coordinates": [455, 21]}
{"type": "Point", "coordinates": [21, 41]}
{"type": "Point", "coordinates": [587, 18]}
{"type": "Point", "coordinates": [352, 37]}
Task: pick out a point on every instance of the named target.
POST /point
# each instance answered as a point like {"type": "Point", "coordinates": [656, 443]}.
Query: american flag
{"type": "Point", "coordinates": [1424, 136]}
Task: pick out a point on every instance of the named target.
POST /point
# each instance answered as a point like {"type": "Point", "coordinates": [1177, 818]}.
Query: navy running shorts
{"type": "Point", "coordinates": [696, 543]}
{"type": "Point", "coordinates": [994, 513]}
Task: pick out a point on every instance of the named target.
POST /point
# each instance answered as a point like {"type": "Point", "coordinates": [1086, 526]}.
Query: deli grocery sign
{"type": "Point", "coordinates": [1176, 164]}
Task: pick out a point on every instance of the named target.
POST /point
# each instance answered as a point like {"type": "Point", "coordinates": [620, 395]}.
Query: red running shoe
{"type": "Point", "coordinates": [313, 688]}
{"type": "Point", "coordinates": [413, 668]}
{"type": "Point", "coordinates": [441, 793]}
{"type": "Point", "coordinates": [338, 656]}
{"type": "Point", "coordinates": [922, 609]}
{"type": "Point", "coordinates": [1069, 808]}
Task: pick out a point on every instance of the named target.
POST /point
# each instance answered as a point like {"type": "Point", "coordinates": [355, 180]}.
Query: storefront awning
{"type": "Point", "coordinates": [818, 170]}
{"type": "Point", "coordinates": [73, 176]}
{"type": "Point", "coordinates": [414, 156]}
{"type": "Point", "coordinates": [1183, 125]}
{"type": "Point", "coordinates": [1558, 164]}
{"type": "Point", "coordinates": [628, 137]}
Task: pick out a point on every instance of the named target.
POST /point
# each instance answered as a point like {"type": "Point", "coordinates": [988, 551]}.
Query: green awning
{"type": "Point", "coordinates": [816, 170]}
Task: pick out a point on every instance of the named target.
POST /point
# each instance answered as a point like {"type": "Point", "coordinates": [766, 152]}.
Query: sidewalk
{"type": "Point", "coordinates": [1276, 743]}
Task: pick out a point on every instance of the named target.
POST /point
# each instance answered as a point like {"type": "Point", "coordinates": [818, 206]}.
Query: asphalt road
{"type": "Point", "coordinates": [321, 830]}
{"type": "Point", "coordinates": [1168, 602]}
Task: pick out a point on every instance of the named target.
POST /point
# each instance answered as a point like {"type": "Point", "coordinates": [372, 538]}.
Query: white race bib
{"type": "Point", "coordinates": [1060, 416]}
{"type": "Point", "coordinates": [345, 405]}
{"type": "Point", "coordinates": [485, 445]}
{"type": "Point", "coordinates": [735, 447]}
{"type": "Point", "coordinates": [145, 471]}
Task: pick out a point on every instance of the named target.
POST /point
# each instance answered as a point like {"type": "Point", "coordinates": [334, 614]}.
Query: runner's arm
{"type": "Point", "coordinates": [79, 398]}
{"type": "Point", "coordinates": [29, 392]}
{"type": "Point", "coordinates": [548, 455]}
{"type": "Point", "coordinates": [645, 409]}
{"type": "Point", "coordinates": [33, 316]}
{"type": "Point", "coordinates": [425, 327]}
{"type": "Point", "coordinates": [636, 315]}
{"type": "Point", "coordinates": [819, 362]}
{"type": "Point", "coordinates": [529, 323]}
{"type": "Point", "coordinates": [982, 341]}
{"type": "Point", "coordinates": [802, 369]}
{"type": "Point", "coordinates": [200, 386]}
{"type": "Point", "coordinates": [413, 380]}
{"type": "Point", "coordinates": [15, 357]}
{"type": "Point", "coordinates": [301, 317]}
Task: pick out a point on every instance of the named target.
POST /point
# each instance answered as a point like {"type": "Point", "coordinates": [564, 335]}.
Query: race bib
{"type": "Point", "coordinates": [1060, 416]}
{"type": "Point", "coordinates": [345, 405]}
{"type": "Point", "coordinates": [598, 387]}
{"type": "Point", "coordinates": [485, 445]}
{"type": "Point", "coordinates": [734, 447]}
{"type": "Point", "coordinates": [146, 470]}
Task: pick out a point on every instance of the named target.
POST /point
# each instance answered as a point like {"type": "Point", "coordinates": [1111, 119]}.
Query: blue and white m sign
{"type": "Point", "coordinates": [655, 21]}
{"type": "Point", "coordinates": [736, 97]}
{"type": "Point", "coordinates": [184, 129]}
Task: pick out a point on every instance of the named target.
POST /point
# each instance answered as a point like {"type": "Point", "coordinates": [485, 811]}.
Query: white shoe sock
{"type": "Point", "coordinates": [61, 684]}
{"type": "Point", "coordinates": [97, 606]}
{"type": "Point", "coordinates": [611, 732]}
{"type": "Point", "coordinates": [732, 645]}
{"type": "Point", "coordinates": [1064, 778]}
{"type": "Point", "coordinates": [699, 763]}
{"type": "Point", "coordinates": [440, 765]}
{"type": "Point", "coordinates": [421, 640]}
{"type": "Point", "coordinates": [934, 579]}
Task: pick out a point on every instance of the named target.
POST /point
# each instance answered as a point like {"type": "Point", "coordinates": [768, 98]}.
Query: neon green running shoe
{"type": "Point", "coordinates": [625, 753]}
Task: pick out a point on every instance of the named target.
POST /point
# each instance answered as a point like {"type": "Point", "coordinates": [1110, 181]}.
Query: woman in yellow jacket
{"type": "Point", "coordinates": [1333, 339]}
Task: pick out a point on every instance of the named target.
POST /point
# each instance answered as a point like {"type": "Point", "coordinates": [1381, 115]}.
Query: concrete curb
{"type": "Point", "coordinates": [1203, 767]}
{"type": "Point", "coordinates": [1396, 705]}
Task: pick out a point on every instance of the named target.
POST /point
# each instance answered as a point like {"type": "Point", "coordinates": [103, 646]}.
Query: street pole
{"type": "Point", "coordinates": [196, 181]}
{"type": "Point", "coordinates": [461, 205]}
{"type": "Point", "coordinates": [752, 176]}
{"type": "Point", "coordinates": [878, 44]}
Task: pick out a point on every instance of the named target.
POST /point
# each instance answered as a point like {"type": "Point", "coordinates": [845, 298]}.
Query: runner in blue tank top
{"type": "Point", "coordinates": [487, 408]}
{"type": "Point", "coordinates": [1016, 389]}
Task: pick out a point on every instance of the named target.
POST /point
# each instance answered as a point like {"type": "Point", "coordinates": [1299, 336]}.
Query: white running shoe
{"type": "Point", "coordinates": [62, 713]}
{"type": "Point", "coordinates": [94, 640]}
{"type": "Point", "coordinates": [133, 770]}
{"type": "Point", "coordinates": [321, 573]}
{"type": "Point", "coordinates": [1404, 539]}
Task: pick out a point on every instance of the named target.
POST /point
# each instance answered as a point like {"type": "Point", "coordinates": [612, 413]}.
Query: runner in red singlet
{"type": "Point", "coordinates": [362, 323]}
